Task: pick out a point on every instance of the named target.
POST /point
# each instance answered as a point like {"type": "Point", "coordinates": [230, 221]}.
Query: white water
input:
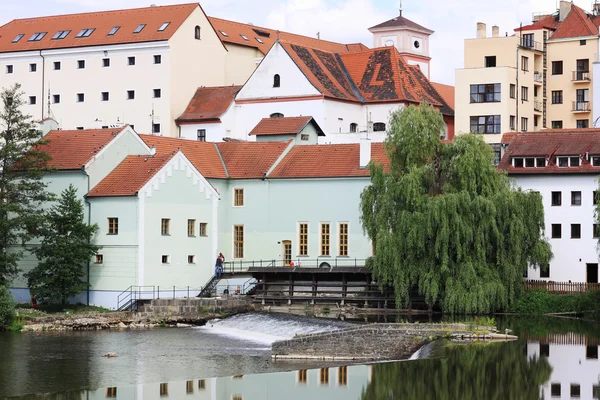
{"type": "Point", "coordinates": [269, 328]}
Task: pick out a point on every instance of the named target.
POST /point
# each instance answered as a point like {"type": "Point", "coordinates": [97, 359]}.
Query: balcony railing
{"type": "Point", "coordinates": [579, 76]}
{"type": "Point", "coordinates": [581, 106]}
{"type": "Point", "coordinates": [538, 77]}
{"type": "Point", "coordinates": [531, 44]}
{"type": "Point", "coordinates": [538, 106]}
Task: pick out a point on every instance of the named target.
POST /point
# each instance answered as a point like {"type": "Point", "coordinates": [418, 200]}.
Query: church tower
{"type": "Point", "coordinates": [411, 40]}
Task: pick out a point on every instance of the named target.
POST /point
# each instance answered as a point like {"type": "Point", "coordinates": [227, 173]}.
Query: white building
{"type": "Point", "coordinates": [563, 166]}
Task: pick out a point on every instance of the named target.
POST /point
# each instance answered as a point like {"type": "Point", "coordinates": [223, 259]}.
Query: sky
{"type": "Point", "coordinates": [345, 21]}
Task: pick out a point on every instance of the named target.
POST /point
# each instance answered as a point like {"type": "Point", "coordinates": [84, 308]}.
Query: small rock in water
{"type": "Point", "coordinates": [110, 355]}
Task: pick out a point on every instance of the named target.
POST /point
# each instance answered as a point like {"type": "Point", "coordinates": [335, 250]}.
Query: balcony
{"type": "Point", "coordinates": [581, 77]}
{"type": "Point", "coordinates": [538, 77]}
{"type": "Point", "coordinates": [527, 43]}
{"type": "Point", "coordinates": [538, 106]}
{"type": "Point", "coordinates": [581, 107]}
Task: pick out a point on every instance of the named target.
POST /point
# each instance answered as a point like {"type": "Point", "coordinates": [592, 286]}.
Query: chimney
{"type": "Point", "coordinates": [481, 28]}
{"type": "Point", "coordinates": [152, 151]}
{"type": "Point", "coordinates": [495, 31]}
{"type": "Point", "coordinates": [365, 151]}
{"type": "Point", "coordinates": [565, 9]}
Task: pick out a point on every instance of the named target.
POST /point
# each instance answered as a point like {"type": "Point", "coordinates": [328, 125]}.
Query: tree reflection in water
{"type": "Point", "coordinates": [480, 371]}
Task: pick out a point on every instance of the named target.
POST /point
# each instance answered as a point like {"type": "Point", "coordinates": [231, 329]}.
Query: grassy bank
{"type": "Point", "coordinates": [542, 302]}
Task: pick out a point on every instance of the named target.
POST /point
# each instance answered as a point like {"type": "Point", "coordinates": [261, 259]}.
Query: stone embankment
{"type": "Point", "coordinates": [378, 341]}
{"type": "Point", "coordinates": [155, 313]}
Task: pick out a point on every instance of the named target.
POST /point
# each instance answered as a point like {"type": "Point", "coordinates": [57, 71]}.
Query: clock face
{"type": "Point", "coordinates": [417, 44]}
{"type": "Point", "coordinates": [389, 43]}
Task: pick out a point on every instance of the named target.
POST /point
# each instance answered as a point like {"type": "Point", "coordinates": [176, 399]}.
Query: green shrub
{"type": "Point", "coordinates": [7, 308]}
{"type": "Point", "coordinates": [542, 302]}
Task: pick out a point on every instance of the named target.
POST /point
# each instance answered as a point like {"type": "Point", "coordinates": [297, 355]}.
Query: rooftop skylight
{"type": "Point", "coordinates": [36, 37]}
{"type": "Point", "coordinates": [139, 28]}
{"type": "Point", "coordinates": [244, 37]}
{"type": "Point", "coordinates": [113, 30]}
{"type": "Point", "coordinates": [19, 37]}
{"type": "Point", "coordinates": [85, 32]}
{"type": "Point", "coordinates": [163, 26]}
{"type": "Point", "coordinates": [224, 34]}
{"type": "Point", "coordinates": [259, 41]}
{"type": "Point", "coordinates": [60, 35]}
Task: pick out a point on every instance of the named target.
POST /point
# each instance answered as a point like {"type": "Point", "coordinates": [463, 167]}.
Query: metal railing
{"type": "Point", "coordinates": [538, 106]}
{"type": "Point", "coordinates": [581, 106]}
{"type": "Point", "coordinates": [530, 44]}
{"type": "Point", "coordinates": [538, 76]}
{"type": "Point", "coordinates": [581, 76]}
{"type": "Point", "coordinates": [242, 266]}
{"type": "Point", "coordinates": [562, 287]}
{"type": "Point", "coordinates": [128, 299]}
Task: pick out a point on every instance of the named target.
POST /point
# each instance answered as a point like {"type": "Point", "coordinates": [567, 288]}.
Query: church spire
{"type": "Point", "coordinates": [400, 7]}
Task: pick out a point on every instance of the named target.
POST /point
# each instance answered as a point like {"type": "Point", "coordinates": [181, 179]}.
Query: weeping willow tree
{"type": "Point", "coordinates": [445, 223]}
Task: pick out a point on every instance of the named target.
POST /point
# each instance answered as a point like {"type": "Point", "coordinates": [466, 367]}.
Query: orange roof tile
{"type": "Point", "coordinates": [284, 126]}
{"type": "Point", "coordinates": [130, 176]}
{"type": "Point", "coordinates": [103, 22]}
{"type": "Point", "coordinates": [547, 22]}
{"type": "Point", "coordinates": [209, 103]}
{"type": "Point", "coordinates": [577, 23]}
{"type": "Point", "coordinates": [447, 93]}
{"type": "Point", "coordinates": [203, 155]}
{"type": "Point", "coordinates": [71, 150]}
{"type": "Point", "coordinates": [250, 160]}
{"type": "Point", "coordinates": [327, 161]}
{"type": "Point", "coordinates": [231, 32]}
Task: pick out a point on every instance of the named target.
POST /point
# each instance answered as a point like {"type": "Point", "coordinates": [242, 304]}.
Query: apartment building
{"type": "Point", "coordinates": [538, 77]}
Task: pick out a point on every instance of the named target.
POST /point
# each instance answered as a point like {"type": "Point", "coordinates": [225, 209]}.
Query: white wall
{"type": "Point", "coordinates": [215, 131]}
{"type": "Point", "coordinates": [596, 96]}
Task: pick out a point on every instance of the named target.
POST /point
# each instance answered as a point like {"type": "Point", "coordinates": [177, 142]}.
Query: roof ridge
{"type": "Point", "coordinates": [222, 160]}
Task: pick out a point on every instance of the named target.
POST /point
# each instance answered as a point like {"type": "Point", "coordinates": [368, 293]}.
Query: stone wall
{"type": "Point", "coordinates": [193, 307]}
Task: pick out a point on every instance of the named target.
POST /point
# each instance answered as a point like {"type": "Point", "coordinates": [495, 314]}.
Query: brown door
{"type": "Point", "coordinates": [287, 252]}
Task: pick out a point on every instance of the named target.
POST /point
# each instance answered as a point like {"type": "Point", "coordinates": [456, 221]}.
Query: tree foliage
{"type": "Point", "coordinates": [445, 223]}
{"type": "Point", "coordinates": [22, 191]}
{"type": "Point", "coordinates": [66, 246]}
{"type": "Point", "coordinates": [7, 308]}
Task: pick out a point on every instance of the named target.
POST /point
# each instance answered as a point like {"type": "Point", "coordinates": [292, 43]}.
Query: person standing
{"type": "Point", "coordinates": [219, 266]}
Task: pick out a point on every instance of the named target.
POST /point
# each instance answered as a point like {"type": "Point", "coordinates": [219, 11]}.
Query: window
{"type": "Point", "coordinates": [130, 60]}
{"type": "Point", "coordinates": [201, 384]}
{"type": "Point", "coordinates": [99, 258]}
{"type": "Point", "coordinates": [524, 93]}
{"type": "Point", "coordinates": [201, 135]}
{"type": "Point", "coordinates": [203, 231]}
{"type": "Point", "coordinates": [130, 94]}
{"type": "Point", "coordinates": [303, 239]}
{"type": "Point", "coordinates": [379, 127]}
{"type": "Point", "coordinates": [238, 197]}
{"type": "Point", "coordinates": [244, 37]}
{"type": "Point", "coordinates": [575, 390]}
{"type": "Point", "coordinates": [238, 241]}
{"type": "Point", "coordinates": [224, 33]}
{"type": "Point", "coordinates": [85, 32]}
{"type": "Point", "coordinates": [556, 198]}
{"type": "Point", "coordinates": [524, 124]}
{"type": "Point", "coordinates": [324, 376]}
{"type": "Point", "coordinates": [556, 231]}
{"type": "Point", "coordinates": [557, 124]}
{"type": "Point", "coordinates": [557, 97]}
{"type": "Point", "coordinates": [518, 162]}
{"type": "Point", "coordinates": [595, 231]}
{"type": "Point", "coordinates": [276, 115]}
{"type": "Point", "coordinates": [56, 98]}
{"type": "Point", "coordinates": [80, 97]}
{"type": "Point", "coordinates": [574, 161]}
{"type": "Point", "coordinates": [191, 259]}
{"type": "Point", "coordinates": [113, 226]}
{"type": "Point", "coordinates": [540, 162]}
{"type": "Point", "coordinates": [545, 273]}
{"type": "Point", "coordinates": [595, 197]}
{"type": "Point", "coordinates": [555, 390]}
{"type": "Point", "coordinates": [276, 80]}
{"type": "Point", "coordinates": [524, 63]}
{"type": "Point", "coordinates": [259, 40]}
{"type": "Point", "coordinates": [583, 123]}
{"type": "Point", "coordinates": [9, 69]}
{"type": "Point", "coordinates": [139, 28]}
{"type": "Point", "coordinates": [32, 100]}
{"type": "Point", "coordinates": [197, 32]}
{"type": "Point", "coordinates": [485, 124]}
{"type": "Point", "coordinates": [527, 40]}
{"type": "Point", "coordinates": [303, 376]}
{"type": "Point", "coordinates": [529, 162]}
{"type": "Point", "coordinates": [156, 93]}
{"type": "Point", "coordinates": [557, 67]}
{"type": "Point", "coordinates": [33, 67]}
{"type": "Point", "coordinates": [575, 198]}
{"type": "Point", "coordinates": [106, 62]}
{"type": "Point", "coordinates": [60, 35]}
{"type": "Point", "coordinates": [343, 376]}
{"type": "Point", "coordinates": [343, 239]}
{"type": "Point", "coordinates": [353, 127]}
{"type": "Point", "coordinates": [325, 232]}
{"type": "Point", "coordinates": [513, 123]}
{"type": "Point", "coordinates": [18, 37]}
{"type": "Point", "coordinates": [513, 91]}
{"type": "Point", "coordinates": [490, 61]}
{"type": "Point", "coordinates": [164, 388]}
{"type": "Point", "coordinates": [489, 93]}
{"type": "Point", "coordinates": [57, 65]}
{"type": "Point", "coordinates": [191, 227]}
{"type": "Point", "coordinates": [163, 26]}
{"type": "Point", "coordinates": [158, 59]}
{"type": "Point", "coordinates": [582, 42]}
{"type": "Point", "coordinates": [80, 64]}
{"type": "Point", "coordinates": [595, 391]}
{"type": "Point", "coordinates": [111, 392]}
{"type": "Point", "coordinates": [36, 37]}
{"type": "Point", "coordinates": [596, 161]}
{"type": "Point", "coordinates": [165, 226]}
{"type": "Point", "coordinates": [575, 231]}
{"type": "Point", "coordinates": [113, 30]}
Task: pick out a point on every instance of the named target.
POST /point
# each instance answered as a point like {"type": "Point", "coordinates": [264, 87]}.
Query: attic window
{"type": "Point", "coordinates": [36, 37]}
{"type": "Point", "coordinates": [139, 28]}
{"type": "Point", "coordinates": [244, 37]}
{"type": "Point", "coordinates": [113, 30]}
{"type": "Point", "coordinates": [197, 32]}
{"type": "Point", "coordinates": [163, 26]}
{"type": "Point", "coordinates": [19, 37]}
{"type": "Point", "coordinates": [86, 32]}
{"type": "Point", "coordinates": [224, 34]}
{"type": "Point", "coordinates": [276, 115]}
{"type": "Point", "coordinates": [259, 41]}
{"type": "Point", "coordinates": [262, 33]}
{"type": "Point", "coordinates": [60, 35]}
{"type": "Point", "coordinates": [379, 127]}
{"type": "Point", "coordinates": [276, 81]}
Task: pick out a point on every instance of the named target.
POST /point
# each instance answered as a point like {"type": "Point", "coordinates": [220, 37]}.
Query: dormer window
{"type": "Point", "coordinates": [113, 30]}
{"type": "Point", "coordinates": [259, 41]}
{"type": "Point", "coordinates": [353, 127]}
{"type": "Point", "coordinates": [139, 28]}
{"type": "Point", "coordinates": [244, 37]}
{"type": "Point", "coordinates": [276, 115]}
{"type": "Point", "coordinates": [518, 162]}
{"type": "Point", "coordinates": [18, 37]}
{"type": "Point", "coordinates": [574, 161]}
{"type": "Point", "coordinates": [163, 26]}
{"type": "Point", "coordinates": [36, 37]}
{"type": "Point", "coordinates": [529, 162]}
{"type": "Point", "coordinates": [276, 81]}
{"type": "Point", "coordinates": [596, 161]}
{"type": "Point", "coordinates": [562, 162]}
{"type": "Point", "coordinates": [86, 32]}
{"type": "Point", "coordinates": [540, 162]}
{"type": "Point", "coordinates": [224, 33]}
{"type": "Point", "coordinates": [197, 32]}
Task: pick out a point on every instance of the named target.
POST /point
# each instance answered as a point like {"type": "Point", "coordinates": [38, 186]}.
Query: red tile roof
{"type": "Point", "coordinates": [549, 144]}
{"type": "Point", "coordinates": [283, 126]}
{"type": "Point", "coordinates": [130, 176]}
{"type": "Point", "coordinates": [547, 22]}
{"type": "Point", "coordinates": [70, 150]}
{"type": "Point", "coordinates": [209, 103]}
{"type": "Point", "coordinates": [327, 161]}
{"type": "Point", "coordinates": [577, 23]}
{"type": "Point", "coordinates": [235, 30]}
{"type": "Point", "coordinates": [400, 21]}
{"type": "Point", "coordinates": [203, 155]}
{"type": "Point", "coordinates": [447, 93]}
{"type": "Point", "coordinates": [250, 160]}
{"type": "Point", "coordinates": [103, 22]}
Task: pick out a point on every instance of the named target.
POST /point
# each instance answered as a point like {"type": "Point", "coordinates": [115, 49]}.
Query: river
{"type": "Point", "coordinates": [230, 360]}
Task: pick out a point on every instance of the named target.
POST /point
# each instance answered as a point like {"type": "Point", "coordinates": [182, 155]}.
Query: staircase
{"type": "Point", "coordinates": [210, 286]}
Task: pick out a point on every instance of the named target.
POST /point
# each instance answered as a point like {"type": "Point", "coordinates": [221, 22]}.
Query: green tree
{"type": "Point", "coordinates": [7, 308]}
{"type": "Point", "coordinates": [65, 248]}
{"type": "Point", "coordinates": [445, 223]}
{"type": "Point", "coordinates": [22, 190]}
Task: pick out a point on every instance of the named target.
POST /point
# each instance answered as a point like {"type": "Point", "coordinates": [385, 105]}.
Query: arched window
{"type": "Point", "coordinates": [197, 32]}
{"type": "Point", "coordinates": [276, 115]}
{"type": "Point", "coordinates": [276, 81]}
{"type": "Point", "coordinates": [379, 127]}
{"type": "Point", "coordinates": [353, 127]}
